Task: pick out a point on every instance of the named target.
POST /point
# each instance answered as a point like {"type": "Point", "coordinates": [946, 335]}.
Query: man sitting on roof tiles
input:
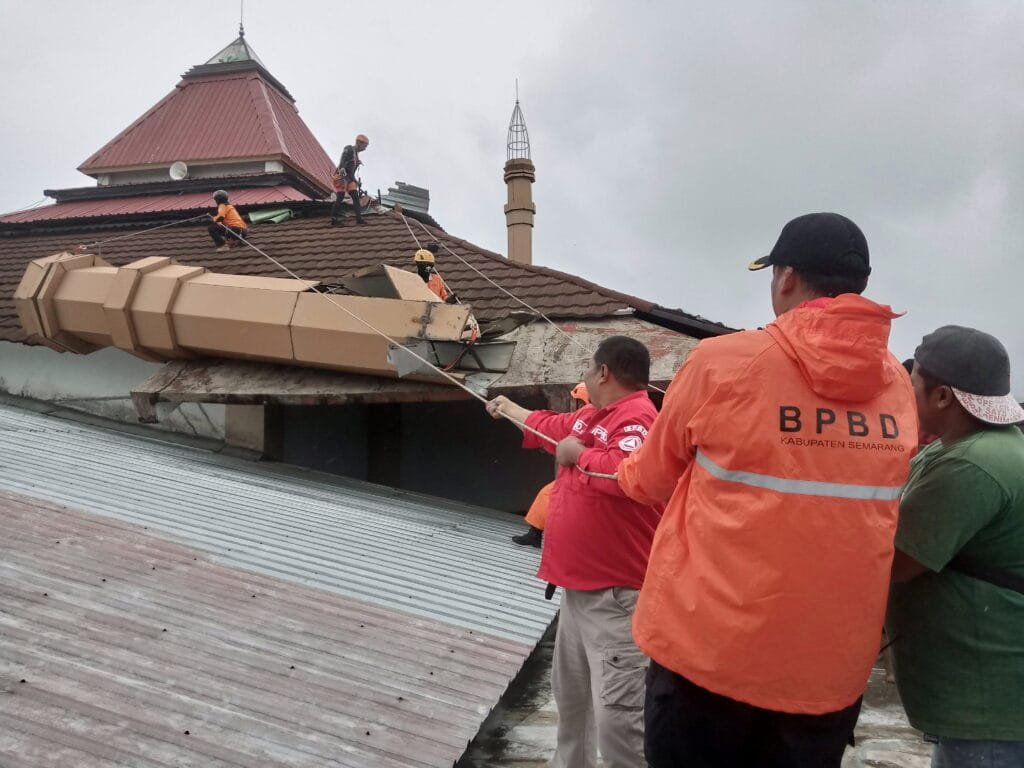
{"type": "Point", "coordinates": [227, 222]}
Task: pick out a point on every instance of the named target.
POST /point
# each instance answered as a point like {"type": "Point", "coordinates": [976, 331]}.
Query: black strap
{"type": "Point", "coordinates": [978, 569]}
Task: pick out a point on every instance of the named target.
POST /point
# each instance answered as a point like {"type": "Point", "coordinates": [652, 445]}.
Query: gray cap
{"type": "Point", "coordinates": [975, 365]}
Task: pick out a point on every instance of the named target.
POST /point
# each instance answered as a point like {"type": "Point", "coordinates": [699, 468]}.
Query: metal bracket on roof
{"type": "Point", "coordinates": [408, 365]}
{"type": "Point", "coordinates": [428, 310]}
{"type": "Point", "coordinates": [481, 382]}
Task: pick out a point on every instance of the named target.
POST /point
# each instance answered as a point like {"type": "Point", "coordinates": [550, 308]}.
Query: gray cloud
{"type": "Point", "coordinates": [672, 140]}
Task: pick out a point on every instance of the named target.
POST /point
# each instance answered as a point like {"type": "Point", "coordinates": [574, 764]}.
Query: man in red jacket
{"type": "Point", "coordinates": [596, 544]}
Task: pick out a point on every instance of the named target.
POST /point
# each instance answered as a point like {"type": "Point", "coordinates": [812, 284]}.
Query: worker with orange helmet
{"type": "Point", "coordinates": [425, 260]}
{"type": "Point", "coordinates": [345, 182]}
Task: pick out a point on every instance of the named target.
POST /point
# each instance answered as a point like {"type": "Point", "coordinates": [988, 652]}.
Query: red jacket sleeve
{"type": "Point", "coordinates": [627, 437]}
{"type": "Point", "coordinates": [555, 425]}
{"type": "Point", "coordinates": [651, 473]}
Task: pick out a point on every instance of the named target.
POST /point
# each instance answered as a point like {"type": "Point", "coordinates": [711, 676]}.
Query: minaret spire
{"type": "Point", "coordinates": [518, 146]}
{"type": "Point", "coordinates": [519, 177]}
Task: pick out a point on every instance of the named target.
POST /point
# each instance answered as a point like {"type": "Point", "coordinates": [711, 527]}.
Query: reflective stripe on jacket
{"type": "Point", "coordinates": [596, 537]}
{"type": "Point", "coordinates": [783, 452]}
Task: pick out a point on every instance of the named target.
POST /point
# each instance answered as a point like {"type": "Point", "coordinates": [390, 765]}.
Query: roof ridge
{"type": "Point", "coordinates": [262, 104]}
{"type": "Point", "coordinates": [628, 299]}
{"type": "Point", "coordinates": [131, 127]}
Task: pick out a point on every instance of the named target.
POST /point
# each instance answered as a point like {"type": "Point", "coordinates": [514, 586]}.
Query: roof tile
{"type": "Point", "coordinates": [313, 250]}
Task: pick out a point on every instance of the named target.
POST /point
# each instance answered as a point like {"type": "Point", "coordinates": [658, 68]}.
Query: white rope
{"type": "Point", "coordinates": [144, 231]}
{"type": "Point", "coordinates": [414, 238]}
{"type": "Point", "coordinates": [511, 295]}
{"type": "Point", "coordinates": [418, 247]}
{"type": "Point", "coordinates": [30, 206]}
{"type": "Point", "coordinates": [312, 283]}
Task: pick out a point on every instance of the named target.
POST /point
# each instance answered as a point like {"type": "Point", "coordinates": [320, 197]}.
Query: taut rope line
{"type": "Point", "coordinates": [312, 283]}
{"type": "Point", "coordinates": [508, 293]}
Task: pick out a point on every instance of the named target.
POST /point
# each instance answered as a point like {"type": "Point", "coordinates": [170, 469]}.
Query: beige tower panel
{"type": "Point", "coordinates": [117, 306]}
{"type": "Point", "coordinates": [387, 282]}
{"type": "Point", "coordinates": [25, 298]}
{"type": "Point", "coordinates": [157, 309]}
{"type": "Point", "coordinates": [60, 267]}
{"type": "Point", "coordinates": [238, 316]}
{"type": "Point", "coordinates": [151, 309]}
{"type": "Point", "coordinates": [326, 336]}
{"type": "Point", "coordinates": [78, 302]}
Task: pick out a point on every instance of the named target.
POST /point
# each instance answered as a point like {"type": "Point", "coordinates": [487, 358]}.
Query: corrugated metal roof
{"type": "Point", "coordinates": [169, 606]}
{"type": "Point", "coordinates": [431, 558]}
{"type": "Point", "coordinates": [188, 201]}
{"type": "Point", "coordinates": [228, 116]}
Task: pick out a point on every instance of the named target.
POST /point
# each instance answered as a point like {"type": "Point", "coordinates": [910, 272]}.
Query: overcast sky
{"type": "Point", "coordinates": [672, 139]}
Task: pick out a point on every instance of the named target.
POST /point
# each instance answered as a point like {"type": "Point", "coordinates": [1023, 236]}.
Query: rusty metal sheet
{"type": "Point", "coordinates": [169, 606]}
{"type": "Point", "coordinates": [543, 357]}
{"type": "Point", "coordinates": [251, 383]}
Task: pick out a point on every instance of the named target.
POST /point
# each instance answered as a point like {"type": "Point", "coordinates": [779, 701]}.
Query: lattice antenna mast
{"type": "Point", "coordinates": [518, 137]}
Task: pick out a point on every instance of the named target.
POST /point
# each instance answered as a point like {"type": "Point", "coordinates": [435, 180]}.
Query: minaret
{"type": "Point", "coordinates": [519, 175]}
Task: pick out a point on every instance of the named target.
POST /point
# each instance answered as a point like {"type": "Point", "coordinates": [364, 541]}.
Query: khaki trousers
{"type": "Point", "coordinates": [597, 678]}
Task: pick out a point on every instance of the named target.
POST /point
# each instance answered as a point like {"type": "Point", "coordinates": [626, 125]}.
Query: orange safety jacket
{"type": "Point", "coordinates": [783, 451]}
{"type": "Point", "coordinates": [436, 284]}
{"type": "Point", "coordinates": [228, 214]}
{"type": "Point", "coordinates": [538, 513]}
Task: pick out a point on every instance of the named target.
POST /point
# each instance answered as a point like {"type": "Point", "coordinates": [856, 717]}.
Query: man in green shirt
{"type": "Point", "coordinates": [956, 611]}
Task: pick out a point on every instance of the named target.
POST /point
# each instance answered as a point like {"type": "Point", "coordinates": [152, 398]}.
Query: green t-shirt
{"type": "Point", "coordinates": [960, 640]}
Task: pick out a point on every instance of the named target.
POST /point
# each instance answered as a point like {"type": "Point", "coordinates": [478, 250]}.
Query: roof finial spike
{"type": "Point", "coordinates": [518, 138]}
{"type": "Point", "coordinates": [241, 18]}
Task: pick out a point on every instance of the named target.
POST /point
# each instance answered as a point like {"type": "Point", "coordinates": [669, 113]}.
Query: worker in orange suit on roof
{"type": "Point", "coordinates": [425, 260]}
{"type": "Point", "coordinates": [345, 183]}
{"type": "Point", "coordinates": [228, 223]}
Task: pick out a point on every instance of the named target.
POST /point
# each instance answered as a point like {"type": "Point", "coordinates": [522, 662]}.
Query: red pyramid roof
{"type": "Point", "coordinates": [222, 112]}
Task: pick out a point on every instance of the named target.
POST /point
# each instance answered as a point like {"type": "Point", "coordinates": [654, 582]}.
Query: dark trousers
{"type": "Point", "coordinates": [338, 209]}
{"type": "Point", "coordinates": [686, 725]}
{"type": "Point", "coordinates": [219, 231]}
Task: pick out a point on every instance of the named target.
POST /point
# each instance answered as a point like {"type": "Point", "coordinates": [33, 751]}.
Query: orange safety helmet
{"type": "Point", "coordinates": [423, 256]}
{"type": "Point", "coordinates": [363, 138]}
{"type": "Point", "coordinates": [579, 392]}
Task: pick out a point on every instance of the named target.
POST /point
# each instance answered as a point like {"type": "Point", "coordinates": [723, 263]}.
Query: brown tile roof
{"type": "Point", "coordinates": [314, 250]}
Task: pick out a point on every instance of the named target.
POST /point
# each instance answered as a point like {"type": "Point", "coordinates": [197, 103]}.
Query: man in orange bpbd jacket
{"type": "Point", "coordinates": [596, 543]}
{"type": "Point", "coordinates": [782, 452]}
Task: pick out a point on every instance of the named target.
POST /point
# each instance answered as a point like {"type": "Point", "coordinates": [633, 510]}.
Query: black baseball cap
{"type": "Point", "coordinates": [976, 367]}
{"type": "Point", "coordinates": [823, 243]}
